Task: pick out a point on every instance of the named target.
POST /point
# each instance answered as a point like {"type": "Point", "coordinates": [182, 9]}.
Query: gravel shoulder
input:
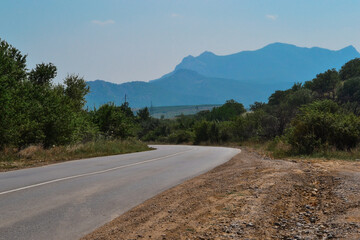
{"type": "Point", "coordinates": [251, 197]}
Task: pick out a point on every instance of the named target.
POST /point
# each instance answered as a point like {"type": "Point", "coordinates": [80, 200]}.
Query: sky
{"type": "Point", "coordinates": [141, 40]}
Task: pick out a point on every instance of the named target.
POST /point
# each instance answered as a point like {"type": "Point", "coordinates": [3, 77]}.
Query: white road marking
{"type": "Point", "coordinates": [92, 173]}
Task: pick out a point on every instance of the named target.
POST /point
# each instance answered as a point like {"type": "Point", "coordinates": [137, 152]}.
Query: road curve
{"type": "Point", "coordinates": [68, 200]}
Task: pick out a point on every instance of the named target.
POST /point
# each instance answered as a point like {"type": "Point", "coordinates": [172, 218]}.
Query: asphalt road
{"type": "Point", "coordinates": [68, 200]}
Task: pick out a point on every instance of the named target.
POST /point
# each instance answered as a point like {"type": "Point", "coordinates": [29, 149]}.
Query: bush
{"type": "Point", "coordinates": [114, 121]}
{"type": "Point", "coordinates": [350, 69]}
{"type": "Point", "coordinates": [321, 125]}
{"type": "Point", "coordinates": [201, 131]}
{"type": "Point", "coordinates": [181, 136]}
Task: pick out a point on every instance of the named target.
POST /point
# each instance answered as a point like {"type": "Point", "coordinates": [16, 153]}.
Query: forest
{"type": "Point", "coordinates": [314, 116]}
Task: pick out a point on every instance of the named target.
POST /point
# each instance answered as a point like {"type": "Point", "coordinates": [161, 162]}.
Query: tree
{"type": "Point", "coordinates": [284, 105]}
{"type": "Point", "coordinates": [127, 110]}
{"type": "Point", "coordinates": [324, 83]}
{"type": "Point", "coordinates": [76, 89]}
{"type": "Point", "coordinates": [214, 133]}
{"type": "Point", "coordinates": [143, 114]}
{"type": "Point", "coordinates": [350, 69]}
{"type": "Point", "coordinates": [323, 124]}
{"type": "Point", "coordinates": [350, 91]}
{"type": "Point", "coordinates": [277, 97]}
{"type": "Point", "coordinates": [43, 74]}
{"type": "Point", "coordinates": [12, 63]}
{"type": "Point", "coordinates": [112, 121]}
{"type": "Point", "coordinates": [201, 132]}
{"type": "Point", "coordinates": [229, 110]}
{"type": "Point", "coordinates": [257, 106]}
{"type": "Point", "coordinates": [12, 99]}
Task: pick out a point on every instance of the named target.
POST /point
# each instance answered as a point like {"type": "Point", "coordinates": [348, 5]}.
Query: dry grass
{"type": "Point", "coordinates": [36, 155]}
{"type": "Point", "coordinates": [279, 149]}
{"type": "Point", "coordinates": [30, 151]}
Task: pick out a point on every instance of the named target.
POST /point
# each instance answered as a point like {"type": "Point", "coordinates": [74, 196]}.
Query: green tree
{"type": "Point", "coordinates": [143, 114]}
{"type": "Point", "coordinates": [12, 99]}
{"type": "Point", "coordinates": [76, 89]}
{"type": "Point", "coordinates": [214, 133]}
{"type": "Point", "coordinates": [323, 124]}
{"type": "Point", "coordinates": [324, 83]}
{"type": "Point", "coordinates": [350, 69]}
{"type": "Point", "coordinates": [43, 74]}
{"type": "Point", "coordinates": [112, 121]}
{"type": "Point", "coordinates": [284, 105]}
{"type": "Point", "coordinates": [350, 91]}
{"type": "Point", "coordinates": [201, 130]}
{"type": "Point", "coordinates": [227, 111]}
{"type": "Point", "coordinates": [257, 106]}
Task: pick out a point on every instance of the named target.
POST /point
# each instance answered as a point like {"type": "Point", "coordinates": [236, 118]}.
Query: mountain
{"type": "Point", "coordinates": [246, 76]}
{"type": "Point", "coordinates": [183, 87]}
{"type": "Point", "coordinates": [277, 62]}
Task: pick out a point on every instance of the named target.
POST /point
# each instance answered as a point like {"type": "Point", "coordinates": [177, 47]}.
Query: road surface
{"type": "Point", "coordinates": [68, 200]}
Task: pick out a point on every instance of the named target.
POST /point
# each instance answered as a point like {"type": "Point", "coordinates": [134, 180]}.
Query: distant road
{"type": "Point", "coordinates": [68, 200]}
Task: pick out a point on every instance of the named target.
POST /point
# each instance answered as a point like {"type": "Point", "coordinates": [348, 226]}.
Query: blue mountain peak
{"type": "Point", "coordinates": [349, 48]}
{"type": "Point", "coordinates": [207, 54]}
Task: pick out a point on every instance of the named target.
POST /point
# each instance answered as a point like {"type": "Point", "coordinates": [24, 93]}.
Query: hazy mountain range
{"type": "Point", "coordinates": [246, 76]}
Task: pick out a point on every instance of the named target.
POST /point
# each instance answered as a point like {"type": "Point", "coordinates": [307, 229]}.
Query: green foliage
{"type": "Point", "coordinates": [33, 110]}
{"type": "Point", "coordinates": [12, 100]}
{"type": "Point", "coordinates": [323, 124]}
{"type": "Point", "coordinates": [201, 132]}
{"type": "Point", "coordinates": [284, 105]}
{"type": "Point", "coordinates": [350, 91]}
{"type": "Point", "coordinates": [181, 136]}
{"type": "Point", "coordinates": [257, 124]}
{"type": "Point", "coordinates": [12, 63]}
{"type": "Point", "coordinates": [225, 112]}
{"type": "Point", "coordinates": [321, 114]}
{"type": "Point", "coordinates": [278, 97]}
{"type": "Point", "coordinates": [114, 122]}
{"type": "Point", "coordinates": [143, 114]}
{"type": "Point", "coordinates": [325, 83]}
{"type": "Point", "coordinates": [350, 69]}
{"type": "Point", "coordinates": [75, 90]}
{"type": "Point", "coordinates": [43, 74]}
{"type": "Point", "coordinates": [214, 133]}
{"type": "Point", "coordinates": [257, 106]}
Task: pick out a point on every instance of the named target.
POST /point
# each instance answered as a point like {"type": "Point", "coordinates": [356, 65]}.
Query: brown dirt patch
{"type": "Point", "coordinates": [251, 197]}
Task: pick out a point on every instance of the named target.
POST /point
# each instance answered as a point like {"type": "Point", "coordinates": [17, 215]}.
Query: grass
{"type": "Point", "coordinates": [281, 150]}
{"type": "Point", "coordinates": [33, 156]}
{"type": "Point", "coordinates": [352, 155]}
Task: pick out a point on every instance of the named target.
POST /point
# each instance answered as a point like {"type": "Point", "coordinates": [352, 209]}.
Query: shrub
{"type": "Point", "coordinates": [181, 136]}
{"type": "Point", "coordinates": [322, 124]}
{"type": "Point", "coordinates": [201, 132]}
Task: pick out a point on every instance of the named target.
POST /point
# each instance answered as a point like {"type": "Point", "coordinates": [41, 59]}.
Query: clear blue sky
{"type": "Point", "coordinates": [129, 40]}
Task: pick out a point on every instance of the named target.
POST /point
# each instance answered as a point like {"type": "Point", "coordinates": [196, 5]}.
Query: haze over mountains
{"type": "Point", "coordinates": [246, 76]}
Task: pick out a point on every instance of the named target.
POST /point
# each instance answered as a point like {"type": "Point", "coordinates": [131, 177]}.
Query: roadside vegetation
{"type": "Point", "coordinates": [44, 121]}
{"type": "Point", "coordinates": [319, 118]}
{"type": "Point", "coordinates": [37, 155]}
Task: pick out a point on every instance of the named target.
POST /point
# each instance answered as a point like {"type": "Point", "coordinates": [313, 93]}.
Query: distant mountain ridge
{"type": "Point", "coordinates": [246, 76]}
{"type": "Point", "coordinates": [276, 62]}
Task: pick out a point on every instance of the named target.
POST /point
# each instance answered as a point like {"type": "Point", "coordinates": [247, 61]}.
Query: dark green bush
{"type": "Point", "coordinates": [323, 124]}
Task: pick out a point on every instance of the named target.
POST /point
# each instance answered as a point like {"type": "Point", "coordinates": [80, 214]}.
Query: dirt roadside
{"type": "Point", "coordinates": [251, 197]}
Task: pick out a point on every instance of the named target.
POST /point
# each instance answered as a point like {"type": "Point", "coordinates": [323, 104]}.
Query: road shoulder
{"type": "Point", "coordinates": [251, 197]}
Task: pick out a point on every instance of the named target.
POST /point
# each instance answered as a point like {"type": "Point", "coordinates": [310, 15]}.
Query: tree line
{"type": "Point", "coordinates": [319, 114]}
